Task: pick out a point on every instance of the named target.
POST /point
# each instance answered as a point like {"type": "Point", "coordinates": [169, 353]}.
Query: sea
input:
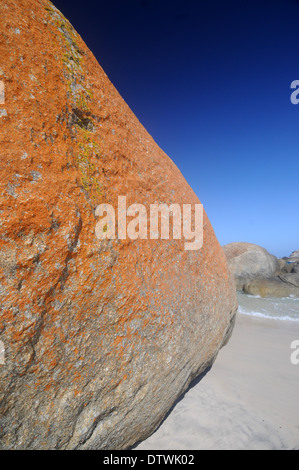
{"type": "Point", "coordinates": [284, 309]}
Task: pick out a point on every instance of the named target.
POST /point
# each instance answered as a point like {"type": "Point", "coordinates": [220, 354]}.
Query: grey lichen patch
{"type": "Point", "coordinates": [11, 190]}
{"type": "Point", "coordinates": [3, 113]}
{"type": "Point", "coordinates": [76, 88]}
{"type": "Point", "coordinates": [57, 305]}
{"type": "Point", "coordinates": [3, 291]}
{"type": "Point", "coordinates": [2, 92]}
{"type": "Point", "coordinates": [8, 262]}
{"type": "Point", "coordinates": [35, 175]}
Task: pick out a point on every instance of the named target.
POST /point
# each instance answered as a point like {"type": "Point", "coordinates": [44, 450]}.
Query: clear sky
{"type": "Point", "coordinates": [210, 81]}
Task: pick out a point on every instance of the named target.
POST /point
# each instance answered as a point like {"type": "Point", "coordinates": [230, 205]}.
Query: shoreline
{"type": "Point", "coordinates": [247, 400]}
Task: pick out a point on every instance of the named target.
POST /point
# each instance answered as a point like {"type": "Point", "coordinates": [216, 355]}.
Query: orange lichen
{"type": "Point", "coordinates": [77, 312]}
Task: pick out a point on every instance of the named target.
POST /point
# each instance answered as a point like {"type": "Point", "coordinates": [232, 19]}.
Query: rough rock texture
{"type": "Point", "coordinates": [284, 266]}
{"type": "Point", "coordinates": [250, 262]}
{"type": "Point", "coordinates": [100, 337]}
{"type": "Point", "coordinates": [292, 278]}
{"type": "Point", "coordinates": [289, 266]}
{"type": "Point", "coordinates": [296, 267]}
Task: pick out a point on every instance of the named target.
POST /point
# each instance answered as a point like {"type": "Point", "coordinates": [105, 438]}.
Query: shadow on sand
{"type": "Point", "coordinates": [192, 384]}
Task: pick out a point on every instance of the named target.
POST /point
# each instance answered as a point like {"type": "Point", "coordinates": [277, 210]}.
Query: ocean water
{"type": "Point", "coordinates": [285, 308]}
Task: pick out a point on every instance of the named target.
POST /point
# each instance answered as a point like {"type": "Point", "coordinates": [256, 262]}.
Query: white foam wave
{"type": "Point", "coordinates": [290, 297]}
{"type": "Point", "coordinates": [264, 315]}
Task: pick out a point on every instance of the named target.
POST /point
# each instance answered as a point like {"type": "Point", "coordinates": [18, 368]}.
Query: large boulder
{"type": "Point", "coordinates": [100, 336]}
{"type": "Point", "coordinates": [249, 262]}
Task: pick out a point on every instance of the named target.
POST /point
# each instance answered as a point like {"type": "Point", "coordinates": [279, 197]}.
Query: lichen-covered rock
{"type": "Point", "coordinates": [100, 337]}
{"type": "Point", "coordinates": [249, 262]}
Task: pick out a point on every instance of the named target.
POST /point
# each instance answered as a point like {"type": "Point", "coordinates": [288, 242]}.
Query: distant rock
{"type": "Point", "coordinates": [287, 267]}
{"type": "Point", "coordinates": [257, 272]}
{"type": "Point", "coordinates": [291, 263]}
{"type": "Point", "coordinates": [100, 337]}
{"type": "Point", "coordinates": [273, 287]}
{"type": "Point", "coordinates": [249, 262]}
{"type": "Point", "coordinates": [295, 254]}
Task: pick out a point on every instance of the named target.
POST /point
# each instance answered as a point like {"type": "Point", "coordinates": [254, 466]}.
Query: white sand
{"type": "Point", "coordinates": [248, 400]}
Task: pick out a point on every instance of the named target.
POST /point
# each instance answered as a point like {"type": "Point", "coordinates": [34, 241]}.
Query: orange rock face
{"type": "Point", "coordinates": [100, 336]}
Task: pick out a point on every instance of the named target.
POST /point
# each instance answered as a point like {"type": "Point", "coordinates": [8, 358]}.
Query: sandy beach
{"type": "Point", "coordinates": [247, 400]}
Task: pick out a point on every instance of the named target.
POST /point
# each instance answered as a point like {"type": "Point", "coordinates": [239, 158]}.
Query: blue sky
{"type": "Point", "coordinates": [210, 81]}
